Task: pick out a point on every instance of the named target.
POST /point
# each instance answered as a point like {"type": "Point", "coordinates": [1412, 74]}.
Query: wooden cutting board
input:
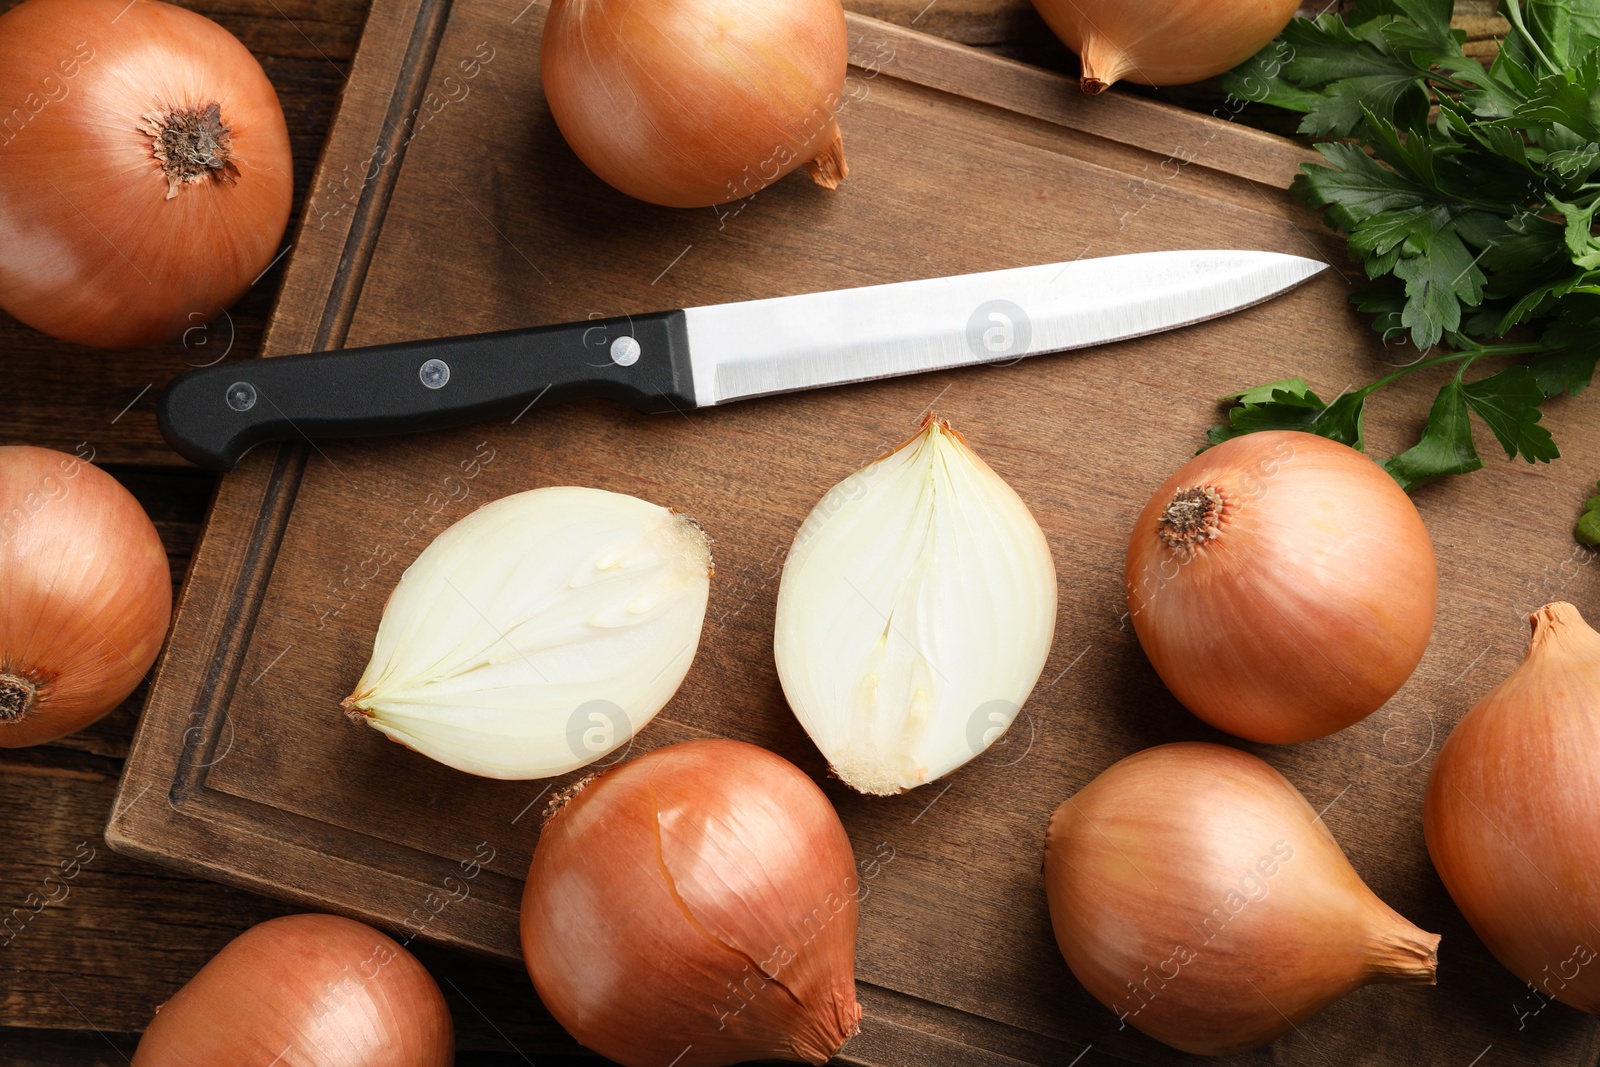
{"type": "Point", "coordinates": [446, 202]}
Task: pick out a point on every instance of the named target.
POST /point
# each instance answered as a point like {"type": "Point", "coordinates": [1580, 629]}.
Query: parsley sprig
{"type": "Point", "coordinates": [1588, 531]}
{"type": "Point", "coordinates": [1468, 195]}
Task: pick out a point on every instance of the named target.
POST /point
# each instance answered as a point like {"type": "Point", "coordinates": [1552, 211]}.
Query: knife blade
{"type": "Point", "coordinates": [706, 356]}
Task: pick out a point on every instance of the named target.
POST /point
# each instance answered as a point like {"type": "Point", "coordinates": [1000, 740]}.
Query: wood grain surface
{"type": "Point", "coordinates": [266, 785]}
{"type": "Point", "coordinates": [89, 971]}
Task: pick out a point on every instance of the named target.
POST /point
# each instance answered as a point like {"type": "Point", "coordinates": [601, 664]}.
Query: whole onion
{"type": "Point", "coordinates": [696, 907]}
{"type": "Point", "coordinates": [85, 594]}
{"type": "Point", "coordinates": [1195, 893]}
{"type": "Point", "coordinates": [1512, 813]}
{"type": "Point", "coordinates": [304, 991]}
{"type": "Point", "coordinates": [1163, 42]}
{"type": "Point", "coordinates": [698, 102]}
{"type": "Point", "coordinates": [145, 175]}
{"type": "Point", "coordinates": [1282, 585]}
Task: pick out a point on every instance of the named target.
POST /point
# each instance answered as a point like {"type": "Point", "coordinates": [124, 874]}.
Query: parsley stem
{"type": "Point", "coordinates": [1527, 348]}
{"type": "Point", "coordinates": [1462, 370]}
{"type": "Point", "coordinates": [1447, 81]}
{"type": "Point", "coordinates": [1449, 357]}
{"type": "Point", "coordinates": [1468, 352]}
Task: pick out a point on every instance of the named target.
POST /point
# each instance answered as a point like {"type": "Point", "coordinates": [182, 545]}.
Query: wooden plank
{"type": "Point", "coordinates": [268, 786]}
{"type": "Point", "coordinates": [974, 22]}
{"type": "Point", "coordinates": [988, 22]}
{"type": "Point", "coordinates": [86, 1048]}
{"type": "Point", "coordinates": [1179, 139]}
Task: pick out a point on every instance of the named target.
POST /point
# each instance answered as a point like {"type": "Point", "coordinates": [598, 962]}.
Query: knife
{"type": "Point", "coordinates": [707, 356]}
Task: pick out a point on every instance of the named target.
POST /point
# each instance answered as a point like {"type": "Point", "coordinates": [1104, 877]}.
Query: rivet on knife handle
{"type": "Point", "coordinates": [214, 415]}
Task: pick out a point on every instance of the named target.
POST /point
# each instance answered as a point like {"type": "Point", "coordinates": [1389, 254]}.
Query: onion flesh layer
{"type": "Point", "coordinates": [916, 611]}
{"type": "Point", "coordinates": [538, 634]}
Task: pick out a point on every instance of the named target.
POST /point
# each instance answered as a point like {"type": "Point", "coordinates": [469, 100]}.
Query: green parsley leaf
{"type": "Point", "coordinates": [1425, 28]}
{"type": "Point", "coordinates": [1509, 403]}
{"type": "Point", "coordinates": [1565, 30]}
{"type": "Point", "coordinates": [1438, 283]}
{"type": "Point", "coordinates": [1568, 362]}
{"type": "Point", "coordinates": [1445, 448]}
{"type": "Point", "coordinates": [1257, 80]}
{"type": "Point", "coordinates": [1570, 99]}
{"type": "Point", "coordinates": [1262, 394]}
{"type": "Point", "coordinates": [1471, 198]}
{"type": "Point", "coordinates": [1588, 531]}
{"type": "Point", "coordinates": [1354, 186]}
{"type": "Point", "coordinates": [1291, 405]}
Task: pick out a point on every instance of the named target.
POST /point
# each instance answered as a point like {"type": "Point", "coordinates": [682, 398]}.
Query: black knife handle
{"type": "Point", "coordinates": [213, 415]}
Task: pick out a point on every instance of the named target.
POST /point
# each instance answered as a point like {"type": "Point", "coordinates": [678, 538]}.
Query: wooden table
{"type": "Point", "coordinates": [83, 977]}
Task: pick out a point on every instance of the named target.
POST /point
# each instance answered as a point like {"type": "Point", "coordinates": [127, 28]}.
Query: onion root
{"type": "Point", "coordinates": [192, 144]}
{"type": "Point", "coordinates": [16, 697]}
{"type": "Point", "coordinates": [1193, 518]}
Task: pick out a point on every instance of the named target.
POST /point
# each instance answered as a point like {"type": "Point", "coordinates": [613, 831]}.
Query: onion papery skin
{"type": "Point", "coordinates": [1512, 814]}
{"type": "Point", "coordinates": [698, 902]}
{"type": "Point", "coordinates": [1303, 605]}
{"type": "Point", "coordinates": [1174, 42]}
{"type": "Point", "coordinates": [702, 101]}
{"type": "Point", "coordinates": [1195, 892]}
{"type": "Point", "coordinates": [92, 247]}
{"type": "Point", "coordinates": [85, 594]}
{"type": "Point", "coordinates": [304, 991]}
